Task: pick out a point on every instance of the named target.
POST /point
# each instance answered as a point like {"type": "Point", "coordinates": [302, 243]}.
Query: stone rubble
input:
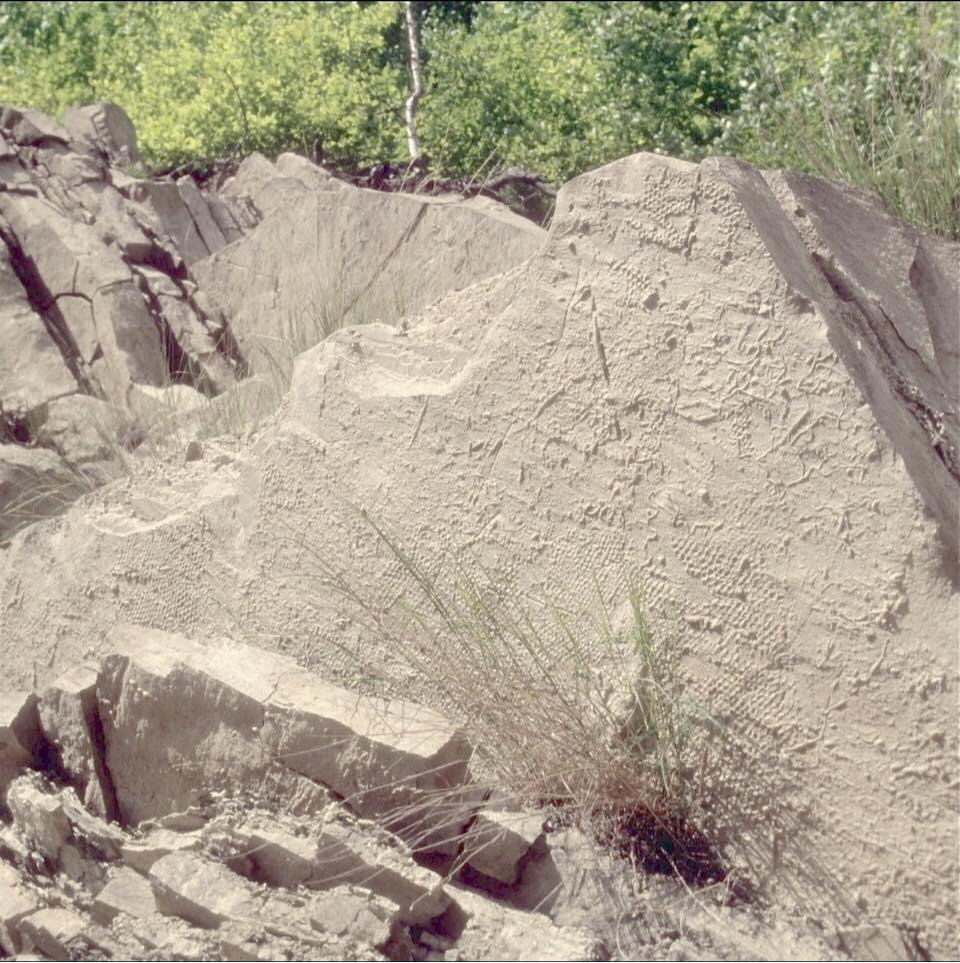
{"type": "Point", "coordinates": [170, 744]}
{"type": "Point", "coordinates": [109, 296]}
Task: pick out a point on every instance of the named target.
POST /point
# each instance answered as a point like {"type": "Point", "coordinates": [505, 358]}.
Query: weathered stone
{"type": "Point", "coordinates": [196, 203]}
{"type": "Point", "coordinates": [359, 264]}
{"type": "Point", "coordinates": [498, 840]}
{"type": "Point", "coordinates": [207, 894]}
{"type": "Point", "coordinates": [101, 840]}
{"type": "Point", "coordinates": [141, 852]}
{"type": "Point", "coordinates": [126, 892]}
{"type": "Point", "coordinates": [116, 226]}
{"type": "Point", "coordinates": [344, 853]}
{"type": "Point", "coordinates": [252, 174]}
{"type": "Point", "coordinates": [19, 736]}
{"type": "Point", "coordinates": [161, 203]}
{"type": "Point", "coordinates": [497, 932]}
{"type": "Point", "coordinates": [34, 484]}
{"type": "Point", "coordinates": [309, 174]}
{"type": "Point", "coordinates": [84, 429]}
{"type": "Point", "coordinates": [231, 224]}
{"type": "Point", "coordinates": [31, 128]}
{"type": "Point", "coordinates": [201, 891]}
{"type": "Point", "coordinates": [106, 127]}
{"type": "Point", "coordinates": [39, 818]}
{"type": "Point", "coordinates": [52, 931]}
{"type": "Point", "coordinates": [180, 717]}
{"type": "Point", "coordinates": [70, 720]}
{"type": "Point", "coordinates": [68, 256]}
{"type": "Point", "coordinates": [32, 369]}
{"type": "Point", "coordinates": [128, 337]}
{"type": "Point", "coordinates": [355, 915]}
{"type": "Point", "coordinates": [872, 942]}
{"type": "Point", "coordinates": [160, 411]}
{"type": "Point", "coordinates": [896, 323]}
{"type": "Point", "coordinates": [59, 831]}
{"type": "Point", "coordinates": [15, 904]}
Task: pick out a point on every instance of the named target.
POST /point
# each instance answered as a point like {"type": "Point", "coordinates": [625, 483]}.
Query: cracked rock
{"type": "Point", "coordinates": [159, 694]}
{"type": "Point", "coordinates": [70, 719]}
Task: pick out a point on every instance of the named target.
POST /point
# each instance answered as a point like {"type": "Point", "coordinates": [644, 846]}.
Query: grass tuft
{"type": "Point", "coordinates": [583, 713]}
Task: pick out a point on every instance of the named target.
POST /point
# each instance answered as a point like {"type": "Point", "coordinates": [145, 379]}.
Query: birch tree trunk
{"type": "Point", "coordinates": [416, 74]}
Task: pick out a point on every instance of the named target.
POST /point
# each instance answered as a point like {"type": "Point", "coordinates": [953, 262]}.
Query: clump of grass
{"type": "Point", "coordinates": [583, 712]}
{"type": "Point", "coordinates": [895, 131]}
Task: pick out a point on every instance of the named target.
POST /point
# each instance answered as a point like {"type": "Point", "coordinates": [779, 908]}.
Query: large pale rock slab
{"type": "Point", "coordinates": [324, 257]}
{"type": "Point", "coordinates": [181, 718]}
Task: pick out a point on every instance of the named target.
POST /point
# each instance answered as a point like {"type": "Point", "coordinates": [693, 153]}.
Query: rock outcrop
{"type": "Point", "coordinates": [741, 386]}
{"type": "Point", "coordinates": [219, 828]}
{"type": "Point", "coordinates": [113, 290]}
{"type": "Point", "coordinates": [326, 255]}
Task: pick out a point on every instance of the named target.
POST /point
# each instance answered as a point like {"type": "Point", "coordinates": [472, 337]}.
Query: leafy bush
{"type": "Point", "coordinates": [868, 93]}
{"type": "Point", "coordinates": [864, 91]}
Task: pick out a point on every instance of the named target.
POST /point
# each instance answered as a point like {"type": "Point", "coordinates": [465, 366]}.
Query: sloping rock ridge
{"type": "Point", "coordinates": [739, 385]}
{"type": "Point", "coordinates": [115, 321]}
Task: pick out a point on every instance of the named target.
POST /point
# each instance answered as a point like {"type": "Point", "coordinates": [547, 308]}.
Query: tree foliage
{"type": "Point", "coordinates": [864, 91]}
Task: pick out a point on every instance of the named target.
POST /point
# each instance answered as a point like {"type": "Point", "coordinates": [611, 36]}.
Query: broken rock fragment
{"type": "Point", "coordinates": [181, 718]}
{"type": "Point", "coordinates": [19, 736]}
{"type": "Point", "coordinates": [70, 720]}
{"type": "Point", "coordinates": [126, 892]}
{"type": "Point", "coordinates": [104, 127]}
{"type": "Point", "coordinates": [355, 915]}
{"type": "Point", "coordinates": [499, 840]}
{"type": "Point", "coordinates": [53, 931]}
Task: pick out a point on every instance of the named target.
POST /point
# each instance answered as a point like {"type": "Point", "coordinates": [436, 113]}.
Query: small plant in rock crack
{"type": "Point", "coordinates": [582, 712]}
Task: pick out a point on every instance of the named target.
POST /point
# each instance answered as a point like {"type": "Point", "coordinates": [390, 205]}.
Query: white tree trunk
{"type": "Point", "coordinates": [416, 74]}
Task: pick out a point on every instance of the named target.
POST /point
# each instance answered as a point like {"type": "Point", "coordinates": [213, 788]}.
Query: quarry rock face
{"type": "Point", "coordinates": [325, 255]}
{"type": "Point", "coordinates": [108, 288]}
{"type": "Point", "coordinates": [739, 386]}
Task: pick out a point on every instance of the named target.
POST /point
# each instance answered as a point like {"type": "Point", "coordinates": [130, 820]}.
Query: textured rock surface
{"type": "Point", "coordinates": [325, 254]}
{"type": "Point", "coordinates": [702, 373]}
{"type": "Point", "coordinates": [180, 718]}
{"type": "Point", "coordinates": [99, 271]}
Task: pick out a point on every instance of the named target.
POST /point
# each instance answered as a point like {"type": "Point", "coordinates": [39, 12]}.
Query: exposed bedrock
{"type": "Point", "coordinates": [739, 385]}
{"type": "Point", "coordinates": [112, 286]}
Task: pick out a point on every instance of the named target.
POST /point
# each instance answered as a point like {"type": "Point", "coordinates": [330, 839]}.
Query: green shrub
{"type": "Point", "coordinates": [867, 93]}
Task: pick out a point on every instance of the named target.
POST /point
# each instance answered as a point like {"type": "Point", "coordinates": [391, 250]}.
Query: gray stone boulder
{"type": "Point", "coordinates": [327, 255]}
